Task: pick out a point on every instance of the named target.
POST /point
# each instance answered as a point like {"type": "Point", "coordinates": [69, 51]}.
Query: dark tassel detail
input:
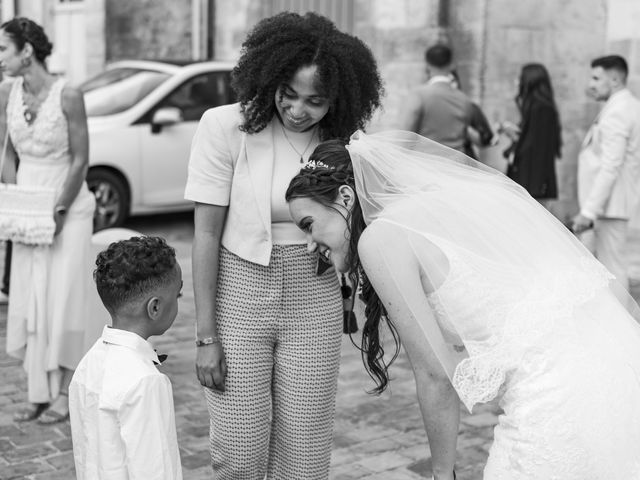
{"type": "Point", "coordinates": [322, 266]}
{"type": "Point", "coordinates": [349, 325]}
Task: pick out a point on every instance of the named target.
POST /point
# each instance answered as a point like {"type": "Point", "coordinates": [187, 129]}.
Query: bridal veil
{"type": "Point", "coordinates": [525, 268]}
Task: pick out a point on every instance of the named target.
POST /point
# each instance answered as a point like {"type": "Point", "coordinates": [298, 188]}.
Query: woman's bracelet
{"type": "Point", "coordinates": [433, 477]}
{"type": "Point", "coordinates": [207, 341]}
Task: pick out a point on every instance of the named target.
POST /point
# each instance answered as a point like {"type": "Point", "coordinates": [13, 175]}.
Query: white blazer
{"type": "Point", "coordinates": [231, 168]}
{"type": "Point", "coordinates": [609, 161]}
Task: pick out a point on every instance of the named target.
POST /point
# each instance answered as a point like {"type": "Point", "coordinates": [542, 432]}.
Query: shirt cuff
{"type": "Point", "coordinates": [588, 214]}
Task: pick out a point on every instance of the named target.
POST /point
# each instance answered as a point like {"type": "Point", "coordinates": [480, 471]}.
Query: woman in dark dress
{"type": "Point", "coordinates": [536, 141]}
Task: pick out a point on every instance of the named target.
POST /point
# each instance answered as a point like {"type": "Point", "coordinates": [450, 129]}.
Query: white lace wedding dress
{"type": "Point", "coordinates": [568, 379]}
{"type": "Point", "coordinates": [508, 302]}
{"type": "Point", "coordinates": [565, 366]}
{"type": "Point", "coordinates": [48, 304]}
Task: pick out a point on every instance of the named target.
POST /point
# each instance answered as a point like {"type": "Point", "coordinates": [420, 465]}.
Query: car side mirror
{"type": "Point", "coordinates": [165, 116]}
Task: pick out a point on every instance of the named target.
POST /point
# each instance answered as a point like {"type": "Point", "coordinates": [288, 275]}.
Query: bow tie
{"type": "Point", "coordinates": [161, 357]}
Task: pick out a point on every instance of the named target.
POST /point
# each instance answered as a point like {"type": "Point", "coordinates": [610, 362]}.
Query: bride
{"type": "Point", "coordinates": [491, 297]}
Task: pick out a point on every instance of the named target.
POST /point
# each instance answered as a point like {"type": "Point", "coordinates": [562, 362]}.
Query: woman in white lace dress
{"type": "Point", "coordinates": [492, 298]}
{"type": "Point", "coordinates": [48, 299]}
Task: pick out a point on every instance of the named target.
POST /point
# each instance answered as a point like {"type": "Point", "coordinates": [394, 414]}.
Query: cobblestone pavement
{"type": "Point", "coordinates": [376, 438]}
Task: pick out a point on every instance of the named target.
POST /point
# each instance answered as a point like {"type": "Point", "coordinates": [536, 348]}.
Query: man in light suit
{"type": "Point", "coordinates": [437, 110]}
{"type": "Point", "coordinates": [609, 165]}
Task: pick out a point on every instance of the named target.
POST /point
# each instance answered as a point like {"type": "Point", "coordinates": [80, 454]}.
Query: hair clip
{"type": "Point", "coordinates": [314, 164]}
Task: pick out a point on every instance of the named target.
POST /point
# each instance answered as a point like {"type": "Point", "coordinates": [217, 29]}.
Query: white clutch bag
{"type": "Point", "coordinates": [26, 212]}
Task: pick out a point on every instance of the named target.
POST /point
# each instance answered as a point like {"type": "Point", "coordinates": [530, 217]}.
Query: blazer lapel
{"type": "Point", "coordinates": [259, 151]}
{"type": "Point", "coordinates": [589, 136]}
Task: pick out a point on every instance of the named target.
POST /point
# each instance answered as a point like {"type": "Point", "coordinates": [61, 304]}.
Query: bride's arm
{"type": "Point", "coordinates": [394, 271]}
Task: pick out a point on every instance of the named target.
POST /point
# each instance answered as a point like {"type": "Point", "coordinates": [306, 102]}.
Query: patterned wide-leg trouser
{"type": "Point", "coordinates": [280, 327]}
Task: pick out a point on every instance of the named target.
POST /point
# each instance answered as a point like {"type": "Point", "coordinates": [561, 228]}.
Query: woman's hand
{"type": "Point", "coordinates": [59, 218]}
{"type": "Point", "coordinates": [211, 367]}
{"type": "Point", "coordinates": [509, 129]}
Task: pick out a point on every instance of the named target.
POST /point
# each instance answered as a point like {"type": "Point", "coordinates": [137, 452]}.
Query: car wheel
{"type": "Point", "coordinates": [112, 198]}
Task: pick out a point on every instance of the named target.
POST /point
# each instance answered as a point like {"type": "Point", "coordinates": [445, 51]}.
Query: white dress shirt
{"type": "Point", "coordinates": [122, 419]}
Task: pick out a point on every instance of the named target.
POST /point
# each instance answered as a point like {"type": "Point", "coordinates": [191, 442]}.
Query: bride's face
{"type": "Point", "coordinates": [325, 227]}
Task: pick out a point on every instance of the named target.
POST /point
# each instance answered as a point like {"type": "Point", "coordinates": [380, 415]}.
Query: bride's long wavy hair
{"type": "Point", "coordinates": [321, 183]}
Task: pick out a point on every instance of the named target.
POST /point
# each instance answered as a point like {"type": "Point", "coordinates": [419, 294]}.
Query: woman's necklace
{"type": "Point", "coordinates": [284, 132]}
{"type": "Point", "coordinates": [32, 103]}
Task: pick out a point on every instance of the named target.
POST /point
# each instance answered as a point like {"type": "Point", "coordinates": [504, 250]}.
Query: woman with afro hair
{"type": "Point", "coordinates": [268, 321]}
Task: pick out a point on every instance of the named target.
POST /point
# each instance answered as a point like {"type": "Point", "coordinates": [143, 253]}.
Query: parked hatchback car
{"type": "Point", "coordinates": [142, 116]}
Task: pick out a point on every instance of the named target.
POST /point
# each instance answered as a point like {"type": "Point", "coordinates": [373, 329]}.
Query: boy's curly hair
{"type": "Point", "coordinates": [279, 46]}
{"type": "Point", "coordinates": [130, 268]}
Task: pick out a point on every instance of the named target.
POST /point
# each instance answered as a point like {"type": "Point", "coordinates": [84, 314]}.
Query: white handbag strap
{"type": "Point", "coordinates": [4, 149]}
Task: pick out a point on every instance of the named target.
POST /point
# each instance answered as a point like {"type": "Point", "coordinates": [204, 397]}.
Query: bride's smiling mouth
{"type": "Point", "coordinates": [326, 254]}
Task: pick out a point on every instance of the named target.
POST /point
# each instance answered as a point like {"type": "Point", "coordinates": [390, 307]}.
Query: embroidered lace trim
{"type": "Point", "coordinates": [478, 378]}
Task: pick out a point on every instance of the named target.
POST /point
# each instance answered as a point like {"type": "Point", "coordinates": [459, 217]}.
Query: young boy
{"type": "Point", "coordinates": [121, 406]}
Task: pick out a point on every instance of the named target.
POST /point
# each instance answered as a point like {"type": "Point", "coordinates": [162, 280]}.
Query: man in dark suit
{"type": "Point", "coordinates": [437, 110]}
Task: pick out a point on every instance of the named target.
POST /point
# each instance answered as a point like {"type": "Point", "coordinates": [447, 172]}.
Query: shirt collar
{"type": "Point", "coordinates": [439, 79]}
{"type": "Point", "coordinates": [619, 93]}
{"type": "Point", "coordinates": [124, 338]}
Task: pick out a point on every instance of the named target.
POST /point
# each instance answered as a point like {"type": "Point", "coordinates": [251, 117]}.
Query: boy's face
{"type": "Point", "coordinates": [168, 304]}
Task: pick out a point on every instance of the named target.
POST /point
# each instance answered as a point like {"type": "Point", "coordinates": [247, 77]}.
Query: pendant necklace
{"type": "Point", "coordinates": [284, 132]}
{"type": "Point", "coordinates": [33, 102]}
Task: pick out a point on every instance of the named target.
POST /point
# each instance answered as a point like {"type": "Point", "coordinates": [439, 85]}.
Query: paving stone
{"type": "Point", "coordinates": [57, 475]}
{"type": "Point", "coordinates": [375, 438]}
{"type": "Point", "coordinates": [22, 470]}
{"type": "Point", "coordinates": [9, 431]}
{"type": "Point", "coordinates": [484, 419]}
{"type": "Point", "coordinates": [61, 461]}
{"type": "Point", "coordinates": [8, 389]}
{"type": "Point", "coordinates": [383, 461]}
{"type": "Point", "coordinates": [32, 433]}
{"type": "Point", "coordinates": [422, 467]}
{"type": "Point", "coordinates": [348, 472]}
{"type": "Point", "coordinates": [196, 460]}
{"type": "Point", "coordinates": [196, 430]}
{"type": "Point", "coordinates": [5, 446]}
{"type": "Point", "coordinates": [396, 474]}
{"type": "Point", "coordinates": [63, 445]}
{"type": "Point", "coordinates": [29, 452]}
{"type": "Point", "coordinates": [417, 452]}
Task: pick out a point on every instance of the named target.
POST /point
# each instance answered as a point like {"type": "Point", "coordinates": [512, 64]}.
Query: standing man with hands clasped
{"type": "Point", "coordinates": [438, 110]}
{"type": "Point", "coordinates": [609, 165]}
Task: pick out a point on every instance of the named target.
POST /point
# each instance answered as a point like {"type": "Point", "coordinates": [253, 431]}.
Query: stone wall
{"type": "Point", "coordinates": [96, 47]}
{"type": "Point", "coordinates": [77, 31]}
{"type": "Point", "coordinates": [148, 29]}
{"type": "Point", "coordinates": [495, 40]}
{"type": "Point", "coordinates": [398, 34]}
{"type": "Point", "coordinates": [623, 37]}
{"type": "Point", "coordinates": [492, 39]}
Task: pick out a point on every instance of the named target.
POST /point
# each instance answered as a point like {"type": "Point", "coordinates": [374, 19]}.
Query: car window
{"type": "Point", "coordinates": [119, 89]}
{"type": "Point", "coordinates": [200, 93]}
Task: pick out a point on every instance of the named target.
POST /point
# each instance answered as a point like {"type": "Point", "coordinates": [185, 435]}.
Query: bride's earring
{"type": "Point", "coordinates": [26, 61]}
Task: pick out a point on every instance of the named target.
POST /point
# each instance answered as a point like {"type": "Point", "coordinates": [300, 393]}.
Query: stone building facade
{"type": "Point", "coordinates": [492, 39]}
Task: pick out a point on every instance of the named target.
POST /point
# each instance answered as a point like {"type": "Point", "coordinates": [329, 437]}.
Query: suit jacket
{"type": "Point", "coordinates": [609, 162]}
{"type": "Point", "coordinates": [440, 112]}
{"type": "Point", "coordinates": [231, 168]}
